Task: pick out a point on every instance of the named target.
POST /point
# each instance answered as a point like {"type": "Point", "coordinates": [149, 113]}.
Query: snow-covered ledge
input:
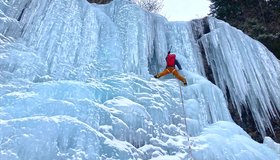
{"type": "Point", "coordinates": [271, 144]}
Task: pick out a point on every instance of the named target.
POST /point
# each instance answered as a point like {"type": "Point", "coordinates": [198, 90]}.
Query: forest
{"type": "Point", "coordinates": [260, 19]}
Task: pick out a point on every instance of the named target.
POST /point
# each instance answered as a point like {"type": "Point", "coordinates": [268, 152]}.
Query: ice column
{"type": "Point", "coordinates": [246, 69]}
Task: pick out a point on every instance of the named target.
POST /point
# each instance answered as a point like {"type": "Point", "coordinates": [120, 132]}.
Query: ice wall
{"type": "Point", "coordinates": [242, 67]}
{"type": "Point", "coordinates": [182, 40]}
{"type": "Point", "coordinates": [73, 44]}
{"type": "Point", "coordinates": [83, 36]}
{"type": "Point", "coordinates": [246, 70]}
{"type": "Point", "coordinates": [75, 83]}
{"type": "Point", "coordinates": [141, 34]}
{"type": "Point", "coordinates": [119, 117]}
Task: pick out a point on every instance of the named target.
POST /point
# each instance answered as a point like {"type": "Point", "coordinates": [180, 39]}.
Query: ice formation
{"type": "Point", "coordinates": [76, 83]}
{"type": "Point", "coordinates": [246, 69]}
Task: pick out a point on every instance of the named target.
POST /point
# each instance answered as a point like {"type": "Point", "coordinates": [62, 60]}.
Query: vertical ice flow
{"type": "Point", "coordinates": [75, 83]}
{"type": "Point", "coordinates": [246, 69]}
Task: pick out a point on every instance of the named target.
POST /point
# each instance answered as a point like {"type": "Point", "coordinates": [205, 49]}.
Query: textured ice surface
{"type": "Point", "coordinates": [246, 69]}
{"type": "Point", "coordinates": [271, 144]}
{"type": "Point", "coordinates": [75, 83]}
{"type": "Point", "coordinates": [216, 140]}
{"type": "Point", "coordinates": [118, 117]}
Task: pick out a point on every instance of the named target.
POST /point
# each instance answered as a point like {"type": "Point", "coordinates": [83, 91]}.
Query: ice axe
{"type": "Point", "coordinates": [170, 49]}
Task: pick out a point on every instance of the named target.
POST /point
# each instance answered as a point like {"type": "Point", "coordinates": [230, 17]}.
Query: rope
{"type": "Point", "coordinates": [182, 100]}
{"type": "Point", "coordinates": [189, 150]}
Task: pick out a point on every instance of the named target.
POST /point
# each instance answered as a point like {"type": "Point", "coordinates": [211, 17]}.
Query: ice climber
{"type": "Point", "coordinates": [171, 61]}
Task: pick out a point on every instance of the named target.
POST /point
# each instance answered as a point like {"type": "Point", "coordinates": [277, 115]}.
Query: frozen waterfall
{"type": "Point", "coordinates": [246, 69]}
{"type": "Point", "coordinates": [76, 82]}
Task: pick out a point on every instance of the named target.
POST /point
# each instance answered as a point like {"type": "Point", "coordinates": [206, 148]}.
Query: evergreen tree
{"type": "Point", "coordinates": [224, 9]}
{"type": "Point", "coordinates": [259, 19]}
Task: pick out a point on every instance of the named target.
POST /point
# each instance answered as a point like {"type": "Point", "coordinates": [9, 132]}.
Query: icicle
{"type": "Point", "coordinates": [247, 69]}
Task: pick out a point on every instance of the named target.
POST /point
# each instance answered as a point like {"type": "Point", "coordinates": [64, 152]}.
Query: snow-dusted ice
{"type": "Point", "coordinates": [76, 82]}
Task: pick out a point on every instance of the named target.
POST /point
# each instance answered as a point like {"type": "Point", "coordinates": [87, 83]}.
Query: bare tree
{"type": "Point", "coordinates": [150, 5]}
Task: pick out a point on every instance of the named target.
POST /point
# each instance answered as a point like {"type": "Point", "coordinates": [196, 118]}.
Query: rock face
{"type": "Point", "coordinates": [99, 1]}
{"type": "Point", "coordinates": [248, 124]}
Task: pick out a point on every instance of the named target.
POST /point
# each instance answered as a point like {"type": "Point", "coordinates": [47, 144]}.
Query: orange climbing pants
{"type": "Point", "coordinates": [174, 72]}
